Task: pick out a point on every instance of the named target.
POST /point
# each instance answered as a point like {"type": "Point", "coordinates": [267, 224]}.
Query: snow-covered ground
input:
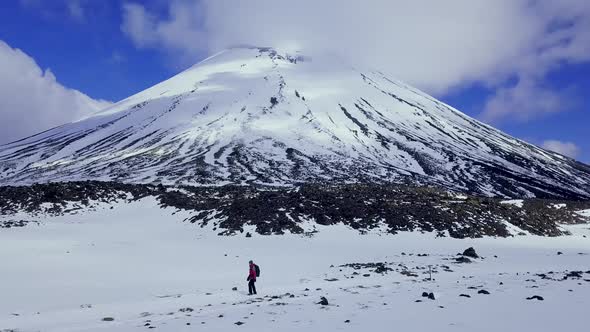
{"type": "Point", "coordinates": [147, 271]}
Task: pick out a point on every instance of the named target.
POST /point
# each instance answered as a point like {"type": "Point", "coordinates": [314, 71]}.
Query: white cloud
{"type": "Point", "coordinates": [55, 9]}
{"type": "Point", "coordinates": [180, 32]}
{"type": "Point", "coordinates": [435, 45]}
{"type": "Point", "coordinates": [525, 100]}
{"type": "Point", "coordinates": [76, 10]}
{"type": "Point", "coordinates": [32, 100]}
{"type": "Point", "coordinates": [565, 148]}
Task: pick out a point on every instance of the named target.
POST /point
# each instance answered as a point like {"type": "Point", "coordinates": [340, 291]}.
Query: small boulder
{"type": "Point", "coordinates": [108, 319]}
{"type": "Point", "coordinates": [464, 295]}
{"type": "Point", "coordinates": [424, 294]}
{"type": "Point", "coordinates": [323, 301]}
{"type": "Point", "coordinates": [431, 296]}
{"type": "Point", "coordinates": [483, 291]}
{"type": "Point", "coordinates": [535, 297]}
{"type": "Point", "coordinates": [234, 288]}
{"type": "Point", "coordinates": [470, 252]}
{"type": "Point", "coordinates": [238, 323]}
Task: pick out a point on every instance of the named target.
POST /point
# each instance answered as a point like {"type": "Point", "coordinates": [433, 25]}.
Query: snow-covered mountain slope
{"type": "Point", "coordinates": [252, 115]}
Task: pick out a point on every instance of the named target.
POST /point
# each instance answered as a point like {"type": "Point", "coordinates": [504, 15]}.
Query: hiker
{"type": "Point", "coordinates": [252, 278]}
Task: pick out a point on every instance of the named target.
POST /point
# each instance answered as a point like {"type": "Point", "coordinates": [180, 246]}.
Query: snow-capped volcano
{"type": "Point", "coordinates": [252, 115]}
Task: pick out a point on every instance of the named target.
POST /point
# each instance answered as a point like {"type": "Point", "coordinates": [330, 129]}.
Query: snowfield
{"type": "Point", "coordinates": [77, 272]}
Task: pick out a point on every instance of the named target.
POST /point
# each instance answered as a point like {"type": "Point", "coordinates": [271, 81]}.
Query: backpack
{"type": "Point", "coordinates": [257, 270]}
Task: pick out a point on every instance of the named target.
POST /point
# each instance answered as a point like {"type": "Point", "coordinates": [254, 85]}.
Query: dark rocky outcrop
{"type": "Point", "coordinates": [323, 301]}
{"type": "Point", "coordinates": [470, 252]}
{"type": "Point", "coordinates": [275, 210]}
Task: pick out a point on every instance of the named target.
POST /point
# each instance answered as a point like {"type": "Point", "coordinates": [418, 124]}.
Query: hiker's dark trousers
{"type": "Point", "coordinates": [251, 287]}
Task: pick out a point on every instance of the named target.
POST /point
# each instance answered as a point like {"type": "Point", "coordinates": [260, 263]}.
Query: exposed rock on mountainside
{"type": "Point", "coordinates": [388, 208]}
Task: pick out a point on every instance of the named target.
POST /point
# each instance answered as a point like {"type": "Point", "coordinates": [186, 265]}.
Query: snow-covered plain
{"type": "Point", "coordinates": [149, 269]}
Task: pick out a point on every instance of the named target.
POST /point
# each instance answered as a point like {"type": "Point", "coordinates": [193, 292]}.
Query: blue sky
{"type": "Point", "coordinates": [109, 50]}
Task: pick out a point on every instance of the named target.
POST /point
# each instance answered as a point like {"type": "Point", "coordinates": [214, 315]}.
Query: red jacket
{"type": "Point", "coordinates": [252, 274]}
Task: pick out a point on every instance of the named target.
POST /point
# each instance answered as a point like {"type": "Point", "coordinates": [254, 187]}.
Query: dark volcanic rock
{"type": "Point", "coordinates": [16, 223]}
{"type": "Point", "coordinates": [462, 259]}
{"type": "Point", "coordinates": [276, 210]}
{"type": "Point", "coordinates": [535, 297]}
{"type": "Point", "coordinates": [483, 291]}
{"type": "Point", "coordinates": [323, 301]}
{"type": "Point", "coordinates": [470, 252]}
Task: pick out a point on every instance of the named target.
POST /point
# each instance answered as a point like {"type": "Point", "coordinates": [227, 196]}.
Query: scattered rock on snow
{"type": "Point", "coordinates": [573, 274]}
{"type": "Point", "coordinates": [323, 301]}
{"type": "Point", "coordinates": [462, 259]}
{"type": "Point", "coordinates": [483, 291]}
{"type": "Point", "coordinates": [108, 319]}
{"type": "Point", "coordinates": [408, 273]}
{"type": "Point", "coordinates": [464, 295]}
{"type": "Point", "coordinates": [470, 252]}
{"type": "Point", "coordinates": [535, 297]}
